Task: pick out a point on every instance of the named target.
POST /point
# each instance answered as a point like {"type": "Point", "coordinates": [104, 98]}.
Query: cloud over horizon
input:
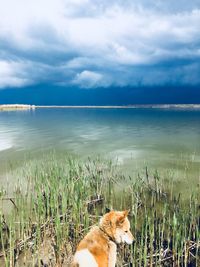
{"type": "Point", "coordinates": [93, 43]}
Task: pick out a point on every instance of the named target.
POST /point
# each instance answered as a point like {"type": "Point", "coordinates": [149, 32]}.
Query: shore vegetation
{"type": "Point", "coordinates": [55, 203]}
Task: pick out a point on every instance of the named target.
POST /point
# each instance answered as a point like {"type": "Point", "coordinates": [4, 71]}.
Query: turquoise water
{"type": "Point", "coordinates": [166, 140]}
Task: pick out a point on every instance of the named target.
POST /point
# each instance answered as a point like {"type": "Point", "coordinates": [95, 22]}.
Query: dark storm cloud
{"type": "Point", "coordinates": [91, 44]}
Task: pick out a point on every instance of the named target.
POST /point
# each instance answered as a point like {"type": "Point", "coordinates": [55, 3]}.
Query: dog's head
{"type": "Point", "coordinates": [117, 226]}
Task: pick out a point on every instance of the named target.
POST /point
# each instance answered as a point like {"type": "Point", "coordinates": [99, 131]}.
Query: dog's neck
{"type": "Point", "coordinates": [108, 237]}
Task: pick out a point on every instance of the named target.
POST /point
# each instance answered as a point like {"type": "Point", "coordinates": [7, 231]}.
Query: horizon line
{"type": "Point", "coordinates": [163, 106]}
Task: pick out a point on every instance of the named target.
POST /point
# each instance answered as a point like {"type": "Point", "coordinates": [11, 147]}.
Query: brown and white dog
{"type": "Point", "coordinates": [98, 248]}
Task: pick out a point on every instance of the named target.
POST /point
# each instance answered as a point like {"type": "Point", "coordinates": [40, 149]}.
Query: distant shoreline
{"type": "Point", "coordinates": [164, 106]}
{"type": "Point", "coordinates": [8, 107]}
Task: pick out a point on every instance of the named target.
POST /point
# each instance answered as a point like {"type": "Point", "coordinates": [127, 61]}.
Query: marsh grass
{"type": "Point", "coordinates": [55, 202]}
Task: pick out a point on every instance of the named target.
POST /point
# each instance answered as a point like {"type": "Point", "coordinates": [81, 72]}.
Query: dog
{"type": "Point", "coordinates": [99, 247]}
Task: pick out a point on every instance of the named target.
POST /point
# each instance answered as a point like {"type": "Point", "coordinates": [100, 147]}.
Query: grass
{"type": "Point", "coordinates": [55, 202]}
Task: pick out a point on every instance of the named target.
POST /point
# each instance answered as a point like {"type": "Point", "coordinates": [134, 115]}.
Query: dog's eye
{"type": "Point", "coordinates": [126, 231]}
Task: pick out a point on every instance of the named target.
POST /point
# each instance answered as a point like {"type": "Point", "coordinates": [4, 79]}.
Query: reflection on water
{"type": "Point", "coordinates": [166, 139]}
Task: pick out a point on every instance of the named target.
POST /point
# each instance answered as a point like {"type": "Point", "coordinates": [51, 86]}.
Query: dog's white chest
{"type": "Point", "coordinates": [112, 254]}
{"type": "Point", "coordinates": [85, 258]}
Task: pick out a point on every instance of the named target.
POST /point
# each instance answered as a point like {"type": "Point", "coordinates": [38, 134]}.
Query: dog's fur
{"type": "Point", "coordinates": [98, 248]}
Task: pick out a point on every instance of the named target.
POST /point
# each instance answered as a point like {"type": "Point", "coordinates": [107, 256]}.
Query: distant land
{"type": "Point", "coordinates": [9, 107]}
{"type": "Point", "coordinates": [16, 107]}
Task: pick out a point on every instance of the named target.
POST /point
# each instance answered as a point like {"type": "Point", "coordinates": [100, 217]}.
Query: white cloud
{"type": "Point", "coordinates": [89, 79]}
{"type": "Point", "coordinates": [23, 73]}
{"type": "Point", "coordinates": [92, 42]}
{"type": "Point", "coordinates": [12, 74]}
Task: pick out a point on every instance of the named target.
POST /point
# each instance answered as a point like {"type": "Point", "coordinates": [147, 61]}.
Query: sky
{"type": "Point", "coordinates": [99, 51]}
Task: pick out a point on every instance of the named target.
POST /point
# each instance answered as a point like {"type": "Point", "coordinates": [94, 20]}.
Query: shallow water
{"type": "Point", "coordinates": [166, 140]}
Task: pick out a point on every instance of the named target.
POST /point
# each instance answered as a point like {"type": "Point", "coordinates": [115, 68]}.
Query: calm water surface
{"type": "Point", "coordinates": [167, 140]}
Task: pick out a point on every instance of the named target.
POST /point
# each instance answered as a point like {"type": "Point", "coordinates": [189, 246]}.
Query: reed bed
{"type": "Point", "coordinates": [55, 202]}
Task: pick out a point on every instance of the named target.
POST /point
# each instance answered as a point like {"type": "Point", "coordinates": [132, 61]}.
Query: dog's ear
{"type": "Point", "coordinates": [122, 217]}
{"type": "Point", "coordinates": [126, 212]}
{"type": "Point", "coordinates": [107, 210]}
{"type": "Point", "coordinates": [120, 220]}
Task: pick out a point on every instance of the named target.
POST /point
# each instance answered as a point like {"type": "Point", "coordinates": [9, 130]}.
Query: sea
{"type": "Point", "coordinates": [166, 141]}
